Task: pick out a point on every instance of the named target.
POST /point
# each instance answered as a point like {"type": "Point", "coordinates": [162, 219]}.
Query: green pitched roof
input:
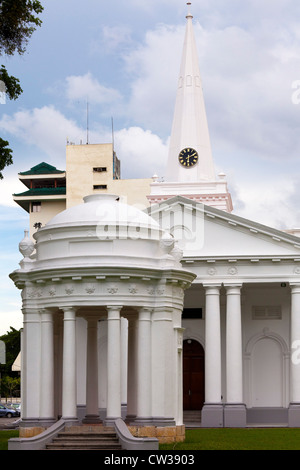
{"type": "Point", "coordinates": [42, 169]}
{"type": "Point", "coordinates": [43, 192]}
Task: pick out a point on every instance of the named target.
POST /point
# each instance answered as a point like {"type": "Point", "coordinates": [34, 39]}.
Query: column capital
{"type": "Point", "coordinates": [69, 313]}
{"type": "Point", "coordinates": [68, 309]}
{"type": "Point", "coordinates": [145, 309]}
{"type": "Point", "coordinates": [212, 289]}
{"type": "Point", "coordinates": [114, 312]}
{"type": "Point", "coordinates": [46, 315]}
{"type": "Point", "coordinates": [145, 313]}
{"type": "Point", "coordinates": [114, 307]}
{"type": "Point", "coordinates": [233, 289]}
{"type": "Point", "coordinates": [295, 287]}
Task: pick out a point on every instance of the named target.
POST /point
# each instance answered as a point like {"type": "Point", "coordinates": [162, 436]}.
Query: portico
{"type": "Point", "coordinates": [78, 289]}
{"type": "Point", "coordinates": [247, 290]}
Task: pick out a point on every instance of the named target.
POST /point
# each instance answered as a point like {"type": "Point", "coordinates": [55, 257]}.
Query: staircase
{"type": "Point", "coordinates": [192, 418]}
{"type": "Point", "coordinates": [86, 437]}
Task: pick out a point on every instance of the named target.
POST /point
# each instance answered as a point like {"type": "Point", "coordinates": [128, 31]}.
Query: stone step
{"type": "Point", "coordinates": [83, 439]}
{"type": "Point", "coordinates": [86, 435]}
{"type": "Point", "coordinates": [86, 446]}
{"type": "Point", "coordinates": [86, 438]}
{"type": "Point", "coordinates": [191, 416]}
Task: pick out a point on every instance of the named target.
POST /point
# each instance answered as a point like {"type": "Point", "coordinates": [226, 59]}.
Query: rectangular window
{"type": "Point", "coordinates": [272, 312]}
{"type": "Point", "coordinates": [99, 169]}
{"type": "Point", "coordinates": [192, 313]}
{"type": "Point", "coordinates": [36, 206]}
{"type": "Point", "coordinates": [100, 186]}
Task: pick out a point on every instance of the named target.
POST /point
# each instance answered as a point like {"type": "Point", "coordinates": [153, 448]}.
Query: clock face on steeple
{"type": "Point", "coordinates": [188, 157]}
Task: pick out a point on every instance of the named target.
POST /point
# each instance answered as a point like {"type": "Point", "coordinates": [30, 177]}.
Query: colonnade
{"type": "Point", "coordinates": [232, 413]}
{"type": "Point", "coordinates": [153, 366]}
{"type": "Point", "coordinates": [213, 413]}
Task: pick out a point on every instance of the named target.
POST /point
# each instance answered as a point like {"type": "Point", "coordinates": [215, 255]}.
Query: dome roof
{"type": "Point", "coordinates": [102, 231]}
{"type": "Point", "coordinates": [103, 209]}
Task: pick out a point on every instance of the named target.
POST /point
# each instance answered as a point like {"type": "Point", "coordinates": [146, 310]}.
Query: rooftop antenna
{"type": "Point", "coordinates": [87, 122]}
{"type": "Point", "coordinates": [112, 133]}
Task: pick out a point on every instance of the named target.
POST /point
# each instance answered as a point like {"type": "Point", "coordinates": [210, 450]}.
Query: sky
{"type": "Point", "coordinates": [123, 59]}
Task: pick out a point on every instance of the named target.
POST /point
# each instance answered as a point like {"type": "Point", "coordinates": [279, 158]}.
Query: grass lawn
{"type": "Point", "coordinates": [220, 439]}
{"type": "Point", "coordinates": [5, 435]}
{"type": "Point", "coordinates": [238, 439]}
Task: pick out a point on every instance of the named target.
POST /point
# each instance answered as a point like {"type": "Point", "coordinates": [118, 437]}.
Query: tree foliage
{"type": "Point", "coordinates": [6, 157]}
{"type": "Point", "coordinates": [12, 344]}
{"type": "Point", "coordinates": [18, 21]}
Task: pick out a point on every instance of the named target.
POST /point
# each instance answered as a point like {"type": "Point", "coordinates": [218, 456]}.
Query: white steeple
{"type": "Point", "coordinates": [190, 168]}
{"type": "Point", "coordinates": [190, 127]}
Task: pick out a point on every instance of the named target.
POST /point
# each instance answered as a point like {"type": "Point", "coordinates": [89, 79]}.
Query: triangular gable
{"type": "Point", "coordinates": [203, 231]}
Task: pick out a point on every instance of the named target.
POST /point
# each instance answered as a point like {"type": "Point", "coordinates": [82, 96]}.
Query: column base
{"type": "Point", "coordinates": [110, 421]}
{"type": "Point", "coordinates": [152, 421]}
{"type": "Point", "coordinates": [142, 421]}
{"type": "Point", "coordinates": [294, 415]}
{"type": "Point", "coordinates": [70, 420]}
{"type": "Point", "coordinates": [212, 416]}
{"type": "Point", "coordinates": [91, 419]}
{"type": "Point", "coordinates": [235, 415]}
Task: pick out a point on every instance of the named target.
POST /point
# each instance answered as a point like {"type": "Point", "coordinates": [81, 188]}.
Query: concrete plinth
{"type": "Point", "coordinates": [294, 415]}
{"type": "Point", "coordinates": [212, 416]}
{"type": "Point", "coordinates": [91, 419]}
{"type": "Point", "coordinates": [235, 415]}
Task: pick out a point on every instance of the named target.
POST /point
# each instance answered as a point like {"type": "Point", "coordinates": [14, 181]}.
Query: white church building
{"type": "Point", "coordinates": [143, 315]}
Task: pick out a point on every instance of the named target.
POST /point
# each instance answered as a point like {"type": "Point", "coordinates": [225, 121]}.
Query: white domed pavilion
{"type": "Point", "coordinates": [102, 301]}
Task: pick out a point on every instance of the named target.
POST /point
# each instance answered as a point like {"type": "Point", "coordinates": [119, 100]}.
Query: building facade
{"type": "Point", "coordinates": [237, 326]}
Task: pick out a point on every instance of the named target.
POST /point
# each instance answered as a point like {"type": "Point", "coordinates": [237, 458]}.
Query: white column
{"type": "Point", "coordinates": [294, 408]}
{"type": "Point", "coordinates": [92, 407]}
{"type": "Point", "coordinates": [113, 363]}
{"type": "Point", "coordinates": [132, 369]}
{"type": "Point", "coordinates": [47, 367]}
{"type": "Point", "coordinates": [212, 346]}
{"type": "Point", "coordinates": [234, 360]}
{"type": "Point", "coordinates": [212, 412]}
{"type": "Point", "coordinates": [235, 410]}
{"type": "Point", "coordinates": [69, 380]}
{"type": "Point", "coordinates": [163, 367]}
{"type": "Point", "coordinates": [144, 366]}
{"type": "Point", "coordinates": [31, 365]}
{"type": "Point", "coordinates": [124, 361]}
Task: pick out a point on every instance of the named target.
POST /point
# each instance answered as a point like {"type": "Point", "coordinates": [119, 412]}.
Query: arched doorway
{"type": "Point", "coordinates": [193, 375]}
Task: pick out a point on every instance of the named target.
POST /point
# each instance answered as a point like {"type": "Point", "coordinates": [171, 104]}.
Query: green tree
{"type": "Point", "coordinates": [10, 386]}
{"type": "Point", "coordinates": [12, 344]}
{"type": "Point", "coordinates": [18, 21]}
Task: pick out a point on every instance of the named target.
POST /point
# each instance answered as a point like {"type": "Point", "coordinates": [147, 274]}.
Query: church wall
{"type": "Point", "coordinates": [266, 346]}
{"type": "Point", "coordinates": [265, 341]}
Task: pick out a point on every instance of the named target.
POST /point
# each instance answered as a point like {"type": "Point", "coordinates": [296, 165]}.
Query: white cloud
{"type": "Point", "coordinates": [46, 128]}
{"type": "Point", "coordinates": [154, 68]}
{"type": "Point", "coordinates": [88, 87]}
{"type": "Point", "coordinates": [8, 186]}
{"type": "Point", "coordinates": [142, 153]}
{"type": "Point", "coordinates": [113, 39]}
{"type": "Point", "coordinates": [273, 202]}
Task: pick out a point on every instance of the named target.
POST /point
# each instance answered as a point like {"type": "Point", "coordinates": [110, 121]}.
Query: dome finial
{"type": "Point", "coordinates": [189, 15]}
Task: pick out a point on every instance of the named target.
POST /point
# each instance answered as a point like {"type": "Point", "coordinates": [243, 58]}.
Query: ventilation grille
{"type": "Point", "coordinates": [270, 311]}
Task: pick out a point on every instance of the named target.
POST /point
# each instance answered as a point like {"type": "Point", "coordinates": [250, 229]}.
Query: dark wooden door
{"type": "Point", "coordinates": [193, 375]}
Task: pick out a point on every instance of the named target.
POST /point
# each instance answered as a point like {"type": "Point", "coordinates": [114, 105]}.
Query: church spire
{"type": "Point", "coordinates": [190, 129]}
{"type": "Point", "coordinates": [190, 168]}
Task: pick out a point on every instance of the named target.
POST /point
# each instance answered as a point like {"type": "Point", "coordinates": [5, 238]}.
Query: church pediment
{"type": "Point", "coordinates": [203, 231]}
